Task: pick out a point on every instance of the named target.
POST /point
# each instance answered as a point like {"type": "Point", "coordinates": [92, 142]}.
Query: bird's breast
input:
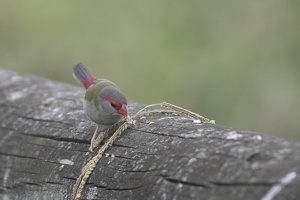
{"type": "Point", "coordinates": [98, 115]}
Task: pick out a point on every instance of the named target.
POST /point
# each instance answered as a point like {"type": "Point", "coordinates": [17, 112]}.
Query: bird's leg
{"type": "Point", "coordinates": [93, 139]}
{"type": "Point", "coordinates": [97, 140]}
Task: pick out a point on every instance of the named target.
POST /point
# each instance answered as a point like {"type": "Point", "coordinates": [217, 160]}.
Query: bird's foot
{"type": "Point", "coordinates": [91, 149]}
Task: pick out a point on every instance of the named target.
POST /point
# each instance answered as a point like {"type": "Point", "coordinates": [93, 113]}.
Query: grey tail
{"type": "Point", "coordinates": [83, 75]}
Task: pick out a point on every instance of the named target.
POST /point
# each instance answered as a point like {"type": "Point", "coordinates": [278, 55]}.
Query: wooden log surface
{"type": "Point", "coordinates": [44, 135]}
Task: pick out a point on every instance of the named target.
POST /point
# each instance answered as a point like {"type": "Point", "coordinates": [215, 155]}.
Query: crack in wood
{"type": "Point", "coordinates": [194, 152]}
{"type": "Point", "coordinates": [96, 185]}
{"type": "Point", "coordinates": [53, 183]}
{"type": "Point", "coordinates": [188, 183]}
{"type": "Point", "coordinates": [157, 133]}
{"type": "Point", "coordinates": [57, 146]}
{"type": "Point", "coordinates": [125, 188]}
{"type": "Point", "coordinates": [28, 157]}
{"type": "Point", "coordinates": [21, 184]}
{"type": "Point", "coordinates": [242, 184]}
{"type": "Point", "coordinates": [116, 144]}
{"type": "Point", "coordinates": [135, 171]}
{"type": "Point", "coordinates": [51, 121]}
{"type": "Point", "coordinates": [125, 158]}
{"type": "Point", "coordinates": [56, 138]}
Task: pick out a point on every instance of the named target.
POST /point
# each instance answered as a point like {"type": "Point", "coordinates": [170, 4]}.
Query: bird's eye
{"type": "Point", "coordinates": [113, 105]}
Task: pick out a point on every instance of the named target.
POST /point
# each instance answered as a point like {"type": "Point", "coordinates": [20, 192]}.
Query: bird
{"type": "Point", "coordinates": [104, 103]}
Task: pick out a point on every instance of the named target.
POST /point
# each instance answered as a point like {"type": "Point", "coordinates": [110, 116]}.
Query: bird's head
{"type": "Point", "coordinates": [119, 106]}
{"type": "Point", "coordinates": [115, 102]}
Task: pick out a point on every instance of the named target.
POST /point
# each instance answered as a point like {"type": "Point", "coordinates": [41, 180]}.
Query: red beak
{"type": "Point", "coordinates": [123, 110]}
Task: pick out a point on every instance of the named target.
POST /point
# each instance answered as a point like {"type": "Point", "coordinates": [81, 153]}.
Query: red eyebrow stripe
{"type": "Point", "coordinates": [117, 104]}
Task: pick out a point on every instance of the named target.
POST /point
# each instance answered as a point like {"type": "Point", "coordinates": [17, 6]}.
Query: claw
{"type": "Point", "coordinates": [91, 149]}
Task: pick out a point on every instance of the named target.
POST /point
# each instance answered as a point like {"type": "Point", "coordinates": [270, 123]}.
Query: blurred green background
{"type": "Point", "coordinates": [233, 61]}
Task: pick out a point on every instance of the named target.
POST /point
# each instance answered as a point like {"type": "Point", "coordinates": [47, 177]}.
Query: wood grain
{"type": "Point", "coordinates": [44, 136]}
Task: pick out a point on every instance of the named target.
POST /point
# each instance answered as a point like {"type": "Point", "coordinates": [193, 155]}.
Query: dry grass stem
{"type": "Point", "coordinates": [89, 167]}
{"type": "Point", "coordinates": [142, 111]}
{"type": "Point", "coordinates": [185, 112]}
{"type": "Point", "coordinates": [121, 127]}
{"type": "Point", "coordinates": [104, 134]}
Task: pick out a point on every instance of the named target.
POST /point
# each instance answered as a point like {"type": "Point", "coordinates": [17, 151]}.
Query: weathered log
{"type": "Point", "coordinates": [44, 136]}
